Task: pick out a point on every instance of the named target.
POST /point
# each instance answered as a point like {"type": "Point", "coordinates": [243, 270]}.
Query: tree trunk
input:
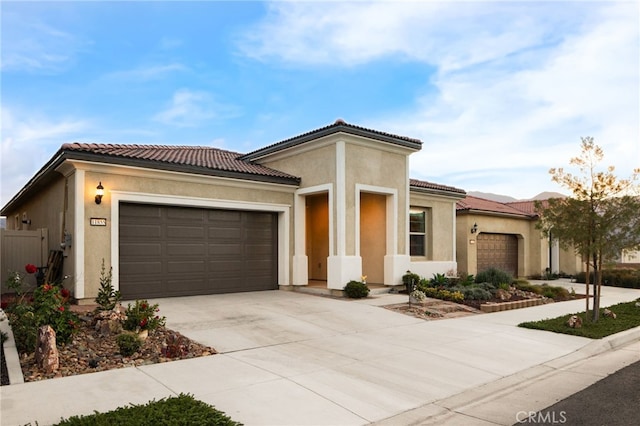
{"type": "Point", "coordinates": [597, 273]}
{"type": "Point", "coordinates": [586, 281]}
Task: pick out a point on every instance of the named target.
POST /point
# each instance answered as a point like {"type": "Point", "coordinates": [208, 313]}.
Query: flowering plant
{"type": "Point", "coordinates": [142, 316]}
{"type": "Point", "coordinates": [30, 268]}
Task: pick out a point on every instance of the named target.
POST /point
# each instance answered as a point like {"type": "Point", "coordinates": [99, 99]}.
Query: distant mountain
{"type": "Point", "coordinates": [546, 195]}
{"type": "Point", "coordinates": [508, 199]}
{"type": "Point", "coordinates": [493, 197]}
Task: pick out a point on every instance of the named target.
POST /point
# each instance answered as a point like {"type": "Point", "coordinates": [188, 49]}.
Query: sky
{"type": "Point", "coordinates": [499, 92]}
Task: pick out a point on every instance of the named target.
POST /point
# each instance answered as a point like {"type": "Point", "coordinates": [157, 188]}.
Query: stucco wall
{"type": "Point", "coordinates": [97, 239]}
{"type": "Point", "coordinates": [386, 170]}
{"type": "Point", "coordinates": [440, 224]}
{"type": "Point", "coordinates": [46, 210]}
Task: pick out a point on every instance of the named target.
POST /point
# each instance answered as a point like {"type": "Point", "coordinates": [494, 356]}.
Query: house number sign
{"type": "Point", "coordinates": [98, 221]}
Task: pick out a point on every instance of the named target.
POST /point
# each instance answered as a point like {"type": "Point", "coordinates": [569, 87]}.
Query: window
{"type": "Point", "coordinates": [417, 232]}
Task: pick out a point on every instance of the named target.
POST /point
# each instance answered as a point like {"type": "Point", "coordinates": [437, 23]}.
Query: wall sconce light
{"type": "Point", "coordinates": [99, 193]}
{"type": "Point", "coordinates": [474, 228]}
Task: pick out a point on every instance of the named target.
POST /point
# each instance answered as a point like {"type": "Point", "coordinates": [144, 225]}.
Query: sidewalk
{"type": "Point", "coordinates": [290, 358]}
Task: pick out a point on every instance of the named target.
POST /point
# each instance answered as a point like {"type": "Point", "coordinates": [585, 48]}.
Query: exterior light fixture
{"type": "Point", "coordinates": [99, 193]}
{"type": "Point", "coordinates": [474, 228]}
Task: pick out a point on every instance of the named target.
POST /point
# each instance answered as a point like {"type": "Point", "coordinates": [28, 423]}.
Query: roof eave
{"type": "Point", "coordinates": [441, 192]}
{"type": "Point", "coordinates": [328, 131]}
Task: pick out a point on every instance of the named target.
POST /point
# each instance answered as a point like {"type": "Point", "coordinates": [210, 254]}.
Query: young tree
{"type": "Point", "coordinates": [599, 220]}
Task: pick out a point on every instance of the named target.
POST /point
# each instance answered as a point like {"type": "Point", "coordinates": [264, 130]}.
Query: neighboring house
{"type": "Point", "coordinates": [504, 235]}
{"type": "Point", "coordinates": [330, 205]}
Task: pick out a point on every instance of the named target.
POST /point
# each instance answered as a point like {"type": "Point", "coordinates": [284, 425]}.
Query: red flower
{"type": "Point", "coordinates": [143, 322]}
{"type": "Point", "coordinates": [65, 293]}
{"type": "Point", "coordinates": [61, 308]}
{"type": "Point", "coordinates": [31, 269]}
{"type": "Point", "coordinates": [143, 306]}
{"type": "Point", "coordinates": [46, 287]}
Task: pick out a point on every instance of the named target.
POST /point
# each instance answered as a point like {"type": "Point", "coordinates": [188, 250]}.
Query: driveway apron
{"type": "Point", "coordinates": [291, 358]}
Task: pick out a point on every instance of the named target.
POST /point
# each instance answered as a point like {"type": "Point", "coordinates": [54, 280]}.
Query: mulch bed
{"type": "Point", "coordinates": [89, 352]}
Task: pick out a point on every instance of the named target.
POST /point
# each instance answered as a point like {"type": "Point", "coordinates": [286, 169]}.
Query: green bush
{"type": "Point", "coordinates": [473, 292]}
{"type": "Point", "coordinates": [439, 280]}
{"type": "Point", "coordinates": [443, 294]}
{"type": "Point", "coordinates": [356, 290]}
{"type": "Point", "coordinates": [128, 343]}
{"type": "Point", "coordinates": [411, 281]}
{"type": "Point", "coordinates": [48, 305]}
{"type": "Point", "coordinates": [180, 410]}
{"type": "Point", "coordinates": [142, 316]}
{"type": "Point", "coordinates": [494, 276]}
{"type": "Point", "coordinates": [107, 298]}
{"type": "Point", "coordinates": [619, 277]}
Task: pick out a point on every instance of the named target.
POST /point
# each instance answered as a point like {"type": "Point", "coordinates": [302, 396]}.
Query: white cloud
{"type": "Point", "coordinates": [28, 142]}
{"type": "Point", "coordinates": [28, 44]}
{"type": "Point", "coordinates": [145, 73]}
{"type": "Point", "coordinates": [190, 108]}
{"type": "Point", "coordinates": [516, 84]}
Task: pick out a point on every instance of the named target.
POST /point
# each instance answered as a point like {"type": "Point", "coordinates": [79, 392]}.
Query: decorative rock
{"type": "Point", "coordinates": [575, 322]}
{"type": "Point", "coordinates": [610, 314]}
{"type": "Point", "coordinates": [46, 350]}
{"type": "Point", "coordinates": [503, 295]}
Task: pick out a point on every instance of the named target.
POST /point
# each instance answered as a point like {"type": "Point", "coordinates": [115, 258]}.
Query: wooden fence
{"type": "Point", "coordinates": [17, 248]}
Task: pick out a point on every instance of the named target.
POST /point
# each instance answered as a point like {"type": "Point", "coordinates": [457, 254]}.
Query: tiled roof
{"type": "Point", "coordinates": [429, 185]}
{"type": "Point", "coordinates": [489, 206]}
{"type": "Point", "coordinates": [524, 206]}
{"type": "Point", "coordinates": [198, 157]}
{"type": "Point", "coordinates": [338, 126]}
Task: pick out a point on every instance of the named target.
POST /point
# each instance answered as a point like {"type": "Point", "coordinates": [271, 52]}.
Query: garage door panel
{"type": "Point", "coordinates": [181, 250]}
{"type": "Point", "coordinates": [193, 232]}
{"type": "Point", "coordinates": [225, 233]}
{"type": "Point", "coordinates": [140, 249]}
{"type": "Point", "coordinates": [185, 215]}
{"type": "Point", "coordinates": [175, 251]}
{"type": "Point", "coordinates": [498, 251]}
{"type": "Point", "coordinates": [186, 267]}
{"type": "Point", "coordinates": [140, 268]}
{"type": "Point", "coordinates": [140, 230]}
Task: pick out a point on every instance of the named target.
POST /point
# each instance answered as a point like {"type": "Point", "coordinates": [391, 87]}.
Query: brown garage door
{"type": "Point", "coordinates": [498, 251]}
{"type": "Point", "coordinates": [180, 251]}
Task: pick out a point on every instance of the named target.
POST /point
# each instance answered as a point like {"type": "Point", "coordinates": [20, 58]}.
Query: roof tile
{"type": "Point", "coordinates": [196, 156]}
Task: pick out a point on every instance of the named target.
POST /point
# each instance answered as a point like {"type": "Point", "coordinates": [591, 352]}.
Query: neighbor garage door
{"type": "Point", "coordinates": [180, 251]}
{"type": "Point", "coordinates": [498, 251]}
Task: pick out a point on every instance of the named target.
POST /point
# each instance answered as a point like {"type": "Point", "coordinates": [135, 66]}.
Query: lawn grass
{"type": "Point", "coordinates": [628, 316]}
{"type": "Point", "coordinates": [180, 410]}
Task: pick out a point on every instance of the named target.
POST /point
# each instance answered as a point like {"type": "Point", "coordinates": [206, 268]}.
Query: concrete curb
{"type": "Point", "coordinates": [442, 411]}
{"type": "Point", "coordinates": [11, 355]}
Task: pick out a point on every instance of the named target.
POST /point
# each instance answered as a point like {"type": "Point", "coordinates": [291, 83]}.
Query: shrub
{"type": "Point", "coordinates": [142, 316]}
{"type": "Point", "coordinates": [175, 345]}
{"type": "Point", "coordinates": [410, 280]}
{"type": "Point", "coordinates": [619, 277]}
{"type": "Point", "coordinates": [494, 276]}
{"type": "Point", "coordinates": [107, 298]}
{"type": "Point", "coordinates": [49, 305]}
{"type": "Point", "coordinates": [417, 295]}
{"type": "Point", "coordinates": [180, 410]}
{"type": "Point", "coordinates": [473, 293]}
{"type": "Point", "coordinates": [128, 343]}
{"type": "Point", "coordinates": [356, 289]}
{"type": "Point", "coordinates": [443, 294]}
{"type": "Point", "coordinates": [439, 280]}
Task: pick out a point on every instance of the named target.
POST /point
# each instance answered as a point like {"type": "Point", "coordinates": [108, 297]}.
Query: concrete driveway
{"type": "Point", "coordinates": [292, 358]}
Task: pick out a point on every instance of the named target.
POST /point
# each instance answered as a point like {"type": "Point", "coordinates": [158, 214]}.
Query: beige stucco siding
{"type": "Point", "coordinates": [440, 224]}
{"type": "Point", "coordinates": [97, 239]}
{"type": "Point", "coordinates": [383, 170]}
{"type": "Point", "coordinates": [46, 211]}
{"type": "Point", "coordinates": [315, 166]}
